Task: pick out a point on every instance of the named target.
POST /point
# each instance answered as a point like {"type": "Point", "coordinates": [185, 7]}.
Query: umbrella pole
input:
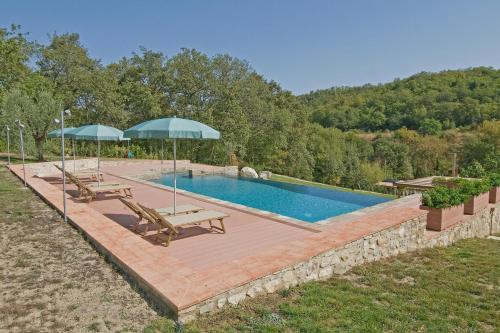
{"type": "Point", "coordinates": [175, 176]}
{"type": "Point", "coordinates": [74, 156]}
{"type": "Point", "coordinates": [98, 163]}
{"type": "Point", "coordinates": [161, 151]}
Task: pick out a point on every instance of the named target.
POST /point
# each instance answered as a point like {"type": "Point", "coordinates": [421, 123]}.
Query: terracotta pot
{"type": "Point", "coordinates": [441, 218]}
{"type": "Point", "coordinates": [495, 194]}
{"type": "Point", "coordinates": [477, 203]}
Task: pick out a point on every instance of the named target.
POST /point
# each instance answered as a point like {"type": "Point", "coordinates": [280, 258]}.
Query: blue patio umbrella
{"type": "Point", "coordinates": [172, 128]}
{"type": "Point", "coordinates": [67, 131]}
{"type": "Point", "coordinates": [97, 133]}
{"type": "Point", "coordinates": [57, 132]}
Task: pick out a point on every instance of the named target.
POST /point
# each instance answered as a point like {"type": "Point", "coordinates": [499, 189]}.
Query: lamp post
{"type": "Point", "coordinates": [21, 127]}
{"type": "Point", "coordinates": [61, 121]}
{"type": "Point", "coordinates": [7, 129]}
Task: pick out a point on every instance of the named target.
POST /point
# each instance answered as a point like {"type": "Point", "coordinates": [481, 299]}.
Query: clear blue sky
{"type": "Point", "coordinates": [303, 45]}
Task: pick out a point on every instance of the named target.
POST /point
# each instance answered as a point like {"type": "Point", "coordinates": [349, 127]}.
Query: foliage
{"type": "Point", "coordinates": [451, 98]}
{"type": "Point", "coordinates": [494, 179]}
{"type": "Point", "coordinates": [15, 52]}
{"type": "Point", "coordinates": [473, 170]}
{"type": "Point", "coordinates": [471, 188]}
{"type": "Point", "coordinates": [442, 197]}
{"type": "Point", "coordinates": [430, 127]}
{"type": "Point", "coordinates": [33, 103]}
{"type": "Point", "coordinates": [412, 128]}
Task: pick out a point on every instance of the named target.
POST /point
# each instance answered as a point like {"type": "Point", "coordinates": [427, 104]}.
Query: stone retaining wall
{"type": "Point", "coordinates": [406, 237]}
{"type": "Point", "coordinates": [198, 170]}
{"type": "Point", "coordinates": [43, 169]}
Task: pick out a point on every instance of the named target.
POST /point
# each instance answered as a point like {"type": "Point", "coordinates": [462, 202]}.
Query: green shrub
{"type": "Point", "coordinates": [494, 179]}
{"type": "Point", "coordinates": [474, 170]}
{"type": "Point", "coordinates": [471, 188]}
{"type": "Point", "coordinates": [442, 197]}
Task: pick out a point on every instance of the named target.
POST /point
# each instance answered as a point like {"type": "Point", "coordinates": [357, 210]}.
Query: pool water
{"type": "Point", "coordinates": [306, 203]}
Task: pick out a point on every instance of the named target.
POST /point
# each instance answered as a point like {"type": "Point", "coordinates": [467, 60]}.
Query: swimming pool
{"type": "Point", "coordinates": [306, 203]}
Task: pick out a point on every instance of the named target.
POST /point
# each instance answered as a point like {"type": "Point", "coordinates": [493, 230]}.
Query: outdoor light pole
{"type": "Point", "coordinates": [161, 151]}
{"type": "Point", "coordinates": [21, 127]}
{"type": "Point", "coordinates": [7, 129]}
{"type": "Point", "coordinates": [65, 112]}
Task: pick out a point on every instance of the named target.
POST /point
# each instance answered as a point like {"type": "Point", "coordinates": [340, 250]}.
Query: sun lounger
{"type": "Point", "coordinates": [172, 223]}
{"type": "Point", "coordinates": [83, 174]}
{"type": "Point", "coordinates": [90, 191]}
{"type": "Point", "coordinates": [143, 215]}
{"type": "Point", "coordinates": [181, 209]}
{"type": "Point", "coordinates": [81, 188]}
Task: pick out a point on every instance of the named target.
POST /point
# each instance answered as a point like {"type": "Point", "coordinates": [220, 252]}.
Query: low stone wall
{"type": "Point", "coordinates": [406, 237]}
{"type": "Point", "coordinates": [198, 170]}
{"type": "Point", "coordinates": [44, 169]}
{"type": "Point", "coordinates": [154, 163]}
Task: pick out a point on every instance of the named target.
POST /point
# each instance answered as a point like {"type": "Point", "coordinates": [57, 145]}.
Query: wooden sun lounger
{"type": "Point", "coordinates": [81, 190]}
{"type": "Point", "coordinates": [143, 215]}
{"type": "Point", "coordinates": [83, 174]}
{"type": "Point", "coordinates": [172, 223]}
{"type": "Point", "coordinates": [88, 174]}
{"type": "Point", "coordinates": [90, 192]}
{"type": "Point", "coordinates": [181, 209]}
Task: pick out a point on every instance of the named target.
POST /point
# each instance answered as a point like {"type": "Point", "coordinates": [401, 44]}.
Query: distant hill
{"type": "Point", "coordinates": [425, 101]}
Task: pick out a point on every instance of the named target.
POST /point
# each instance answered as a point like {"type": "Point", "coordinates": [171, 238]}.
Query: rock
{"type": "Point", "coordinates": [207, 307]}
{"type": "Point", "coordinates": [221, 302]}
{"type": "Point", "coordinates": [255, 290]}
{"type": "Point", "coordinates": [236, 298]}
{"type": "Point", "coordinates": [265, 174]}
{"type": "Point", "coordinates": [248, 172]}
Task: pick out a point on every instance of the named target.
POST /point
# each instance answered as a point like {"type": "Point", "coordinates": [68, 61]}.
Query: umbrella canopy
{"type": "Point", "coordinates": [97, 133]}
{"type": "Point", "coordinates": [67, 133]}
{"type": "Point", "coordinates": [57, 132]}
{"type": "Point", "coordinates": [172, 128]}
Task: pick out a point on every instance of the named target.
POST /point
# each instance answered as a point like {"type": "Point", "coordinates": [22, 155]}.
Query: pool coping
{"type": "Point", "coordinates": [310, 226]}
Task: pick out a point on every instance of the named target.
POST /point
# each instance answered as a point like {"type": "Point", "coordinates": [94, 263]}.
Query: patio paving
{"type": "Point", "coordinates": [201, 264]}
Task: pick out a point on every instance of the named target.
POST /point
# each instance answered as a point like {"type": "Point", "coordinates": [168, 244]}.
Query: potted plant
{"type": "Point", "coordinates": [476, 193]}
{"type": "Point", "coordinates": [445, 206]}
{"type": "Point", "coordinates": [494, 179]}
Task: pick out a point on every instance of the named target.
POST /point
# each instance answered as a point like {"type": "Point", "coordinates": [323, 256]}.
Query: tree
{"type": "Point", "coordinates": [15, 52]}
{"type": "Point", "coordinates": [35, 105]}
{"type": "Point", "coordinates": [430, 127]}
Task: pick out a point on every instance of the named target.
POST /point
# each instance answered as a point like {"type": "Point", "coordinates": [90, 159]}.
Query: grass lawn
{"type": "Point", "coordinates": [453, 289]}
{"type": "Point", "coordinates": [15, 159]}
{"type": "Point", "coordinates": [52, 279]}
{"type": "Point", "coordinates": [292, 180]}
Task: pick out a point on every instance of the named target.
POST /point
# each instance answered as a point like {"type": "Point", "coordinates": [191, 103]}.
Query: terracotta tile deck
{"type": "Point", "coordinates": [201, 264]}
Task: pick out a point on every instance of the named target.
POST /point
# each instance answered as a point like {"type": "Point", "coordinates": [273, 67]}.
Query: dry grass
{"type": "Point", "coordinates": [51, 279]}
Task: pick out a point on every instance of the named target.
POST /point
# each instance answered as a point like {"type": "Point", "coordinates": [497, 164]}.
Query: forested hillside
{"type": "Point", "coordinates": [352, 137]}
{"type": "Point", "coordinates": [424, 102]}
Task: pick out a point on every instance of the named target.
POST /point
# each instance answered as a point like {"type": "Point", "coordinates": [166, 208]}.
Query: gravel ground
{"type": "Point", "coordinates": [51, 279]}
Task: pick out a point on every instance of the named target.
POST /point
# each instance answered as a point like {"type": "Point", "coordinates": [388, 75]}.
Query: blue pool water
{"type": "Point", "coordinates": [306, 203]}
